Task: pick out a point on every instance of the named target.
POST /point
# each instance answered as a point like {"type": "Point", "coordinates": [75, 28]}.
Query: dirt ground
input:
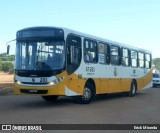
{"type": "Point", "coordinates": [6, 78]}
{"type": "Point", "coordinates": [6, 82]}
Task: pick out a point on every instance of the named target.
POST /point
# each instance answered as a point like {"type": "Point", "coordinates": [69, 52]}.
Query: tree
{"type": "Point", "coordinates": [6, 62]}
{"type": "Point", "coordinates": [5, 57]}
{"type": "Point", "coordinates": [0, 65]}
{"type": "Point", "coordinates": [7, 66]}
{"type": "Point", "coordinates": [156, 62]}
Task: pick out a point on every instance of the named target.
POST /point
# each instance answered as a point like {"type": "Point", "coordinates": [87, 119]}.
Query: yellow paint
{"type": "Point", "coordinates": [142, 82]}
{"type": "Point", "coordinates": [76, 84]}
{"type": "Point", "coordinates": [103, 86]}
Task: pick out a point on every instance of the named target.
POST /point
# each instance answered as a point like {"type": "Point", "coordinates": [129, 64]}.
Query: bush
{"type": "Point", "coordinates": [156, 62]}
{"type": "Point", "coordinates": [7, 66]}
{"type": "Point", "coordinates": [0, 65]}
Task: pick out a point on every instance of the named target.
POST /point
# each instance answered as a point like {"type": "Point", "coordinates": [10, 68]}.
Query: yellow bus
{"type": "Point", "coordinates": [54, 61]}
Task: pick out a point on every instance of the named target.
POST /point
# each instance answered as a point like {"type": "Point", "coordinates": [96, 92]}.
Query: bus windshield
{"type": "Point", "coordinates": [40, 55]}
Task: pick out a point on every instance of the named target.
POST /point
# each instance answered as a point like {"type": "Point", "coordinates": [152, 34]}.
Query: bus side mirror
{"type": "Point", "coordinates": [8, 48]}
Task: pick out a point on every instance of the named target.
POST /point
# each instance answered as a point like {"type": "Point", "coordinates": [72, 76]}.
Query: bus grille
{"type": "Point", "coordinates": [30, 83]}
{"type": "Point", "coordinates": [34, 91]}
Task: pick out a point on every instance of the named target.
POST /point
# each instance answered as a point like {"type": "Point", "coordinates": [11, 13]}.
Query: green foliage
{"type": "Point", "coordinates": [6, 62]}
{"type": "Point", "coordinates": [0, 65]}
{"type": "Point", "coordinates": [7, 66]}
{"type": "Point", "coordinates": [156, 62]}
{"type": "Point", "coordinates": [5, 57]}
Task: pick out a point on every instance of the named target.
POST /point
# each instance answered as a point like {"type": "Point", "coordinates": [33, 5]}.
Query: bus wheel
{"type": "Point", "coordinates": [50, 98]}
{"type": "Point", "coordinates": [88, 94]}
{"type": "Point", "coordinates": [133, 89]}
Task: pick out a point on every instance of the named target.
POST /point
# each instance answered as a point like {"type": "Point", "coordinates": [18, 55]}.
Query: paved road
{"type": "Point", "coordinates": [144, 108]}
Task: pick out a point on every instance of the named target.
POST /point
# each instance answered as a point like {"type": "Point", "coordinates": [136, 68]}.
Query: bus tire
{"type": "Point", "coordinates": [88, 94]}
{"type": "Point", "coordinates": [50, 98]}
{"type": "Point", "coordinates": [133, 89]}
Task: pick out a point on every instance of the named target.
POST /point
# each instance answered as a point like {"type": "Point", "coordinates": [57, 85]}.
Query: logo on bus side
{"type": "Point", "coordinates": [90, 70]}
{"type": "Point", "coordinates": [134, 71]}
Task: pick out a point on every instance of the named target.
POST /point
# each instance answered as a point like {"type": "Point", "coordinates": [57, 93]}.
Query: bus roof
{"type": "Point", "coordinates": [104, 40]}
{"type": "Point", "coordinates": [70, 31]}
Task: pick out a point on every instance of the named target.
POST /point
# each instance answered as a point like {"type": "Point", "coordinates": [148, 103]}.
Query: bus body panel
{"type": "Point", "coordinates": [108, 78]}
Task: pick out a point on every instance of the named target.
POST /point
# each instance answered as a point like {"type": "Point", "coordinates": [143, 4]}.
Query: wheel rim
{"type": "Point", "coordinates": [87, 94]}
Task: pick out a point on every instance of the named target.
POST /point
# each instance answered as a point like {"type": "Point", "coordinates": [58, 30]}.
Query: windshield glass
{"type": "Point", "coordinates": [42, 55]}
{"type": "Point", "coordinates": [155, 75]}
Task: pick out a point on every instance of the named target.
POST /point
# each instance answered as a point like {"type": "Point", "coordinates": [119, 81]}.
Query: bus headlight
{"type": "Point", "coordinates": [18, 82]}
{"type": "Point", "coordinates": [51, 83]}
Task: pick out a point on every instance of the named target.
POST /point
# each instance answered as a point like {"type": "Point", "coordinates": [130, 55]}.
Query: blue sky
{"type": "Point", "coordinates": [133, 22]}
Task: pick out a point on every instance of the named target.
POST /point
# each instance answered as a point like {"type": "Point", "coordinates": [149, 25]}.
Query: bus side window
{"type": "Point", "coordinates": [125, 57]}
{"type": "Point", "coordinates": [134, 58]}
{"type": "Point", "coordinates": [103, 53]}
{"type": "Point", "coordinates": [147, 61]}
{"type": "Point", "coordinates": [115, 55]}
{"type": "Point", "coordinates": [90, 51]}
{"type": "Point", "coordinates": [141, 59]}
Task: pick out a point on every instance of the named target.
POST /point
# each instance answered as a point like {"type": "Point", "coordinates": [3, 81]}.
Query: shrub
{"type": "Point", "coordinates": [0, 65]}
{"type": "Point", "coordinates": [7, 66]}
